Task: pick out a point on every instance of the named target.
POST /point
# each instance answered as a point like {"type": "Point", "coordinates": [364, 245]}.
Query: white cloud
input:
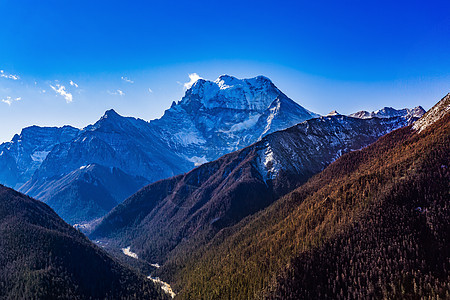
{"type": "Point", "coordinates": [117, 92]}
{"type": "Point", "coordinates": [150, 90]}
{"type": "Point", "coordinates": [10, 100]}
{"type": "Point", "coordinates": [193, 79]}
{"type": "Point", "coordinates": [9, 76]}
{"type": "Point", "coordinates": [73, 84]}
{"type": "Point", "coordinates": [60, 89]}
{"type": "Point", "coordinates": [126, 79]}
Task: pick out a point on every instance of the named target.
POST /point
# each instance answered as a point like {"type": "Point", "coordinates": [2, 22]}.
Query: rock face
{"type": "Point", "coordinates": [219, 194]}
{"type": "Point", "coordinates": [221, 116]}
{"type": "Point", "coordinates": [434, 114]}
{"type": "Point", "coordinates": [212, 119]}
{"type": "Point", "coordinates": [20, 158]}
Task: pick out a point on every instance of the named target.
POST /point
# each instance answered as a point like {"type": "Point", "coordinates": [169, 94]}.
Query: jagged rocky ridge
{"type": "Point", "coordinates": [389, 112]}
{"type": "Point", "coordinates": [21, 157]}
{"type": "Point", "coordinates": [196, 205]}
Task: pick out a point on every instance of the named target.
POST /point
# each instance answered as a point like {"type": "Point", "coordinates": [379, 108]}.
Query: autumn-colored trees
{"type": "Point", "coordinates": [373, 224]}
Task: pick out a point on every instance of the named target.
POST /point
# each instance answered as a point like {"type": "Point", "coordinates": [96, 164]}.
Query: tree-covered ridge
{"type": "Point", "coordinates": [42, 257]}
{"type": "Point", "coordinates": [378, 216]}
{"type": "Point", "coordinates": [398, 248]}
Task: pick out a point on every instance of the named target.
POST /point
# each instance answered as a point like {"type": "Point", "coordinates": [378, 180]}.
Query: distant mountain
{"type": "Point", "coordinates": [217, 117]}
{"type": "Point", "coordinates": [219, 194]}
{"type": "Point", "coordinates": [374, 224]}
{"type": "Point", "coordinates": [389, 112]}
{"type": "Point", "coordinates": [86, 193]}
{"type": "Point", "coordinates": [212, 119]}
{"type": "Point", "coordinates": [20, 158]}
{"type": "Point", "coordinates": [333, 113]}
{"type": "Point", "coordinates": [42, 257]}
{"type": "Point", "coordinates": [114, 141]}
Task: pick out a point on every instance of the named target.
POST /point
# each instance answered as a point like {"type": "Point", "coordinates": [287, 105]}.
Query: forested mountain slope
{"type": "Point", "coordinates": [374, 224]}
{"type": "Point", "coordinates": [42, 257]}
{"type": "Point", "coordinates": [193, 207]}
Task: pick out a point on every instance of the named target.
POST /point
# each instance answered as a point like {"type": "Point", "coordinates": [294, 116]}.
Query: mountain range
{"type": "Point", "coordinates": [389, 112]}
{"type": "Point", "coordinates": [212, 119]}
{"type": "Point", "coordinates": [198, 204]}
{"type": "Point", "coordinates": [374, 224]}
{"type": "Point", "coordinates": [271, 202]}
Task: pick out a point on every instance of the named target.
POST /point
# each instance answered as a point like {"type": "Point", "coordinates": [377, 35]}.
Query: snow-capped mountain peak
{"type": "Point", "coordinates": [389, 112]}
{"type": "Point", "coordinates": [212, 119]}
{"type": "Point", "coordinates": [217, 117]}
{"type": "Point", "coordinates": [228, 92]}
{"type": "Point", "coordinates": [111, 113]}
{"type": "Point", "coordinates": [333, 113]}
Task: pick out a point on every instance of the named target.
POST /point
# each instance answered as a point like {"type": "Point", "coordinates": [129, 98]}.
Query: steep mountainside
{"type": "Point", "coordinates": [26, 152]}
{"type": "Point", "coordinates": [374, 224]}
{"type": "Point", "coordinates": [218, 194]}
{"type": "Point", "coordinates": [217, 117]}
{"type": "Point", "coordinates": [212, 119]}
{"type": "Point", "coordinates": [42, 257]}
{"type": "Point", "coordinates": [114, 141]}
{"type": "Point", "coordinates": [86, 193]}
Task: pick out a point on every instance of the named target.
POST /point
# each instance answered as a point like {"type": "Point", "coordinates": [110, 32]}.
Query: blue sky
{"type": "Point", "coordinates": [135, 56]}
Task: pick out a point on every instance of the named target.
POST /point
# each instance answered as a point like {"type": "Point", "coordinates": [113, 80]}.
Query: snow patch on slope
{"type": "Point", "coordinates": [273, 112]}
{"type": "Point", "coordinates": [164, 286]}
{"type": "Point", "coordinates": [129, 253]}
{"type": "Point", "coordinates": [198, 161]}
{"type": "Point", "coordinates": [268, 166]}
{"type": "Point", "coordinates": [39, 156]}
{"type": "Point", "coordinates": [250, 122]}
{"type": "Point", "coordinates": [188, 137]}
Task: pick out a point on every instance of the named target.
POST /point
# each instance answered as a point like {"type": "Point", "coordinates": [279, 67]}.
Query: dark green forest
{"type": "Point", "coordinates": [42, 257]}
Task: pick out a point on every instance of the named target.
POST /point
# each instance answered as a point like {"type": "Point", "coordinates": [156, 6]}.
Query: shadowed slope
{"type": "Point", "coordinates": [42, 257]}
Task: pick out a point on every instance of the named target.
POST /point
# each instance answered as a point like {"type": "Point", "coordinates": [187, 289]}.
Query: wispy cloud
{"type": "Point", "coordinates": [126, 79]}
{"type": "Point", "coordinates": [73, 84]}
{"type": "Point", "coordinates": [150, 90]}
{"type": "Point", "coordinates": [61, 90]}
{"type": "Point", "coordinates": [9, 76]}
{"type": "Point", "coordinates": [117, 93]}
{"type": "Point", "coordinates": [193, 79]}
{"type": "Point", "coordinates": [10, 100]}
